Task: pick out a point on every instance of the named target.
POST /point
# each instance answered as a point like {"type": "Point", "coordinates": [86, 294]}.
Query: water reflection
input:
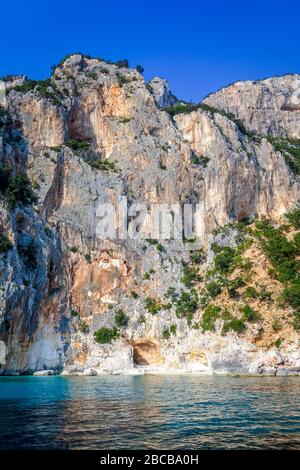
{"type": "Point", "coordinates": [157, 412]}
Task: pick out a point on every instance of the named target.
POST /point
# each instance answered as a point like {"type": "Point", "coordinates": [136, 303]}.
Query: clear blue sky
{"type": "Point", "coordinates": [199, 46]}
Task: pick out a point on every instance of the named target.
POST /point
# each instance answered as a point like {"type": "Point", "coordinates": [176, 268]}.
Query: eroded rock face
{"type": "Point", "coordinates": [50, 311]}
{"type": "Point", "coordinates": [161, 92]}
{"type": "Point", "coordinates": [270, 106]}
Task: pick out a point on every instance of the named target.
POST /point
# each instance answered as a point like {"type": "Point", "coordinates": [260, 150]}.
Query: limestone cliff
{"type": "Point", "coordinates": [94, 132]}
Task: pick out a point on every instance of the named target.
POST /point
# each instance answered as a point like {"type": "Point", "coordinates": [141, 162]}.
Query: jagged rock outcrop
{"type": "Point", "coordinates": [161, 91]}
{"type": "Point", "coordinates": [96, 132]}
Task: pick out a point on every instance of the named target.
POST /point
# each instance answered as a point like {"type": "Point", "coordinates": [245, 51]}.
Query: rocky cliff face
{"type": "Point", "coordinates": [270, 106]}
{"type": "Point", "coordinates": [73, 302]}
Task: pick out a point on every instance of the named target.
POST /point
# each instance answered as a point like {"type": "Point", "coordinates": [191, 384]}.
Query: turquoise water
{"type": "Point", "coordinates": [142, 412]}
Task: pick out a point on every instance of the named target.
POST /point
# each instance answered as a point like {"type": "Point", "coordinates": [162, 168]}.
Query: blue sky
{"type": "Point", "coordinates": [198, 46]}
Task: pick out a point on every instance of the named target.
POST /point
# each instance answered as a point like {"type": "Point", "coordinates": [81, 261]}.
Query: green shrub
{"type": "Point", "coordinates": [99, 164]}
{"type": "Point", "coordinates": [91, 75]}
{"type": "Point", "coordinates": [250, 293]}
{"type": "Point", "coordinates": [160, 248]}
{"type": "Point", "coordinates": [142, 319]}
{"type": "Point", "coordinates": [236, 324]}
{"type": "Point", "coordinates": [147, 276]}
{"type": "Point", "coordinates": [88, 257]}
{"type": "Point", "coordinates": [171, 294]}
{"type": "Point", "coordinates": [134, 294]}
{"type": "Point", "coordinates": [120, 318]}
{"type": "Point", "coordinates": [264, 295]}
{"type": "Point", "coordinates": [233, 285]}
{"type": "Point", "coordinates": [197, 256]}
{"type": "Point", "coordinates": [139, 69]}
{"type": "Point", "coordinates": [73, 249]}
{"type": "Point", "coordinates": [186, 302]}
{"type": "Point", "coordinates": [209, 317]}
{"type": "Point", "coordinates": [27, 86]}
{"type": "Point", "coordinates": [224, 259]}
{"type": "Point", "coordinates": [5, 244]}
{"type": "Point", "coordinates": [190, 276]}
{"type": "Point", "coordinates": [249, 314]}
{"type": "Point", "coordinates": [181, 108]}
{"type": "Point", "coordinates": [166, 333]}
{"type": "Point", "coordinates": [16, 189]}
{"type": "Point", "coordinates": [297, 242]}
{"type": "Point", "coordinates": [290, 149]}
{"type": "Point", "coordinates": [122, 63]}
{"type": "Point", "coordinates": [199, 159]}
{"type": "Point", "coordinates": [294, 217]}
{"type": "Point", "coordinates": [74, 313]}
{"type": "Point", "coordinates": [105, 335]}
{"type": "Point", "coordinates": [296, 321]}
{"type": "Point", "coordinates": [291, 294]}
{"type": "Point", "coordinates": [213, 289]}
{"type": "Point", "coordinates": [280, 251]}
{"type": "Point", "coordinates": [123, 79]}
{"type": "Point", "coordinates": [173, 329]}
{"type": "Point", "coordinates": [153, 306]}
{"type": "Point", "coordinates": [277, 343]}
{"type": "Point", "coordinates": [226, 315]}
{"type": "Point", "coordinates": [45, 88]}
{"type": "Point", "coordinates": [78, 144]}
{"type": "Point", "coordinates": [84, 327]}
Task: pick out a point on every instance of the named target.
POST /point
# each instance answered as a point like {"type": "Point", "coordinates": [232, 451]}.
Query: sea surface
{"type": "Point", "coordinates": [149, 412]}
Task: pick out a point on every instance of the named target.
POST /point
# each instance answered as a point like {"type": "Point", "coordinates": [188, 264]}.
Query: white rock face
{"type": "Point", "coordinates": [51, 311]}
{"type": "Point", "coordinates": [2, 353]}
{"type": "Point", "coordinates": [161, 92]}
{"type": "Point", "coordinates": [270, 106]}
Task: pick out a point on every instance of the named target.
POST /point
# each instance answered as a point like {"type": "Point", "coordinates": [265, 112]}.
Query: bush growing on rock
{"type": "Point", "coordinates": [190, 276]}
{"type": "Point", "coordinates": [197, 256]}
{"type": "Point", "coordinates": [186, 302]}
{"type": "Point", "coordinates": [16, 189]}
{"type": "Point", "coordinates": [209, 317]}
{"type": "Point", "coordinates": [290, 149]}
{"type": "Point", "coordinates": [139, 69]}
{"type": "Point", "coordinates": [249, 314]}
{"type": "Point", "coordinates": [294, 217]}
{"type": "Point", "coordinates": [166, 333]}
{"type": "Point", "coordinates": [78, 144]}
{"type": "Point", "coordinates": [250, 292]}
{"type": "Point", "coordinates": [213, 289]}
{"type": "Point", "coordinates": [153, 306]}
{"type": "Point", "coordinates": [224, 258]}
{"type": "Point", "coordinates": [105, 335]}
{"type": "Point", "coordinates": [120, 318]}
{"type": "Point", "coordinates": [236, 324]}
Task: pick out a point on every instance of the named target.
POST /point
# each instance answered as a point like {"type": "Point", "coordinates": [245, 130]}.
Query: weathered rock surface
{"type": "Point", "coordinates": [161, 92]}
{"type": "Point", "coordinates": [49, 313]}
{"type": "Point", "coordinates": [270, 106]}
